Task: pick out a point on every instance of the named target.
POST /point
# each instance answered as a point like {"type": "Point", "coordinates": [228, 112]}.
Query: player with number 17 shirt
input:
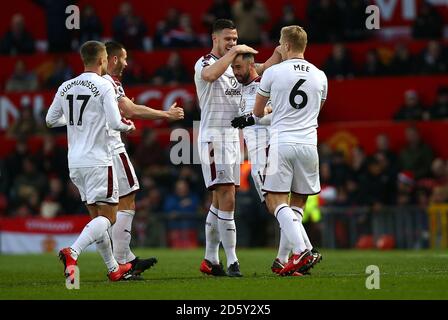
{"type": "Point", "coordinates": [87, 105]}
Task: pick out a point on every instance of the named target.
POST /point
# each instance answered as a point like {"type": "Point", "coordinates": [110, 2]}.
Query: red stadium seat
{"type": "Point", "coordinates": [386, 242]}
{"type": "Point", "coordinates": [365, 242]}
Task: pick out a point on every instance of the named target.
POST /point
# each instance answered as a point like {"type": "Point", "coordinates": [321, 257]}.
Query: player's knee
{"type": "Point", "coordinates": [269, 203]}
{"type": "Point", "coordinates": [226, 197]}
{"type": "Point", "coordinates": [226, 192]}
{"type": "Point", "coordinates": [111, 218]}
{"type": "Point", "coordinates": [230, 195]}
{"type": "Point", "coordinates": [229, 198]}
{"type": "Point", "coordinates": [298, 200]}
{"type": "Point", "coordinates": [127, 203]}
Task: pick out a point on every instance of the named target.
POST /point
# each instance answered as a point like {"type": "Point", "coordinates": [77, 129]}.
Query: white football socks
{"type": "Point", "coordinates": [299, 212]}
{"type": "Point", "coordinates": [104, 247]}
{"type": "Point", "coordinates": [93, 231]}
{"type": "Point", "coordinates": [121, 236]}
{"type": "Point", "coordinates": [291, 227]}
{"type": "Point", "coordinates": [284, 247]}
{"type": "Point", "coordinates": [212, 236]}
{"type": "Point", "coordinates": [227, 232]}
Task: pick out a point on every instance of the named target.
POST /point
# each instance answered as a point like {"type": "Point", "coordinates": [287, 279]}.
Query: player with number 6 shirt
{"type": "Point", "coordinates": [297, 90]}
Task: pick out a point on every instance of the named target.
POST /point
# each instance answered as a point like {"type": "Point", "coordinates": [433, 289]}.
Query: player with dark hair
{"type": "Point", "coordinates": [127, 179]}
{"type": "Point", "coordinates": [255, 130]}
{"type": "Point", "coordinates": [219, 94]}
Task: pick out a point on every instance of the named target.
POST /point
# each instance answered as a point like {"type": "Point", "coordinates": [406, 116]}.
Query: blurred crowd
{"type": "Point", "coordinates": [327, 21]}
{"type": "Point", "coordinates": [412, 176]}
{"type": "Point", "coordinates": [35, 183]}
{"type": "Point", "coordinates": [383, 193]}
{"type": "Point", "coordinates": [414, 110]}
{"type": "Point", "coordinates": [432, 60]}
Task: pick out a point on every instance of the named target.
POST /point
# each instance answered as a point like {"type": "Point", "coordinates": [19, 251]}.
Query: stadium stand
{"type": "Point", "coordinates": [372, 74]}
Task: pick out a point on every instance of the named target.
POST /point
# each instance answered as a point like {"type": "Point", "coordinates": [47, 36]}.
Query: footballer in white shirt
{"type": "Point", "coordinates": [297, 90]}
{"type": "Point", "coordinates": [219, 94]}
{"type": "Point", "coordinates": [218, 143]}
{"type": "Point", "coordinates": [255, 130]}
{"type": "Point", "coordinates": [127, 179]}
{"type": "Point", "coordinates": [87, 105]}
{"type": "Point", "coordinates": [256, 137]}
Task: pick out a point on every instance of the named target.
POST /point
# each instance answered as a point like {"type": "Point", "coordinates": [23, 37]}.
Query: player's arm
{"type": "Point", "coordinates": [247, 120]}
{"type": "Point", "coordinates": [263, 95]}
{"type": "Point", "coordinates": [112, 112]}
{"type": "Point", "coordinates": [275, 58]}
{"type": "Point", "coordinates": [324, 90]}
{"type": "Point", "coordinates": [213, 72]}
{"type": "Point", "coordinates": [136, 111]}
{"type": "Point", "coordinates": [266, 120]}
{"type": "Point", "coordinates": [55, 116]}
{"type": "Point", "coordinates": [267, 117]}
{"type": "Point", "coordinates": [260, 104]}
{"type": "Point", "coordinates": [322, 104]}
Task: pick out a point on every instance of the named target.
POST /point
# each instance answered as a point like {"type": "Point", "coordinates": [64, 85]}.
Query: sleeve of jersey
{"type": "Point", "coordinates": [265, 84]}
{"type": "Point", "coordinates": [113, 116]}
{"type": "Point", "coordinates": [55, 116]}
{"type": "Point", "coordinates": [119, 91]}
{"type": "Point", "coordinates": [264, 121]}
{"type": "Point", "coordinates": [204, 62]}
{"type": "Point", "coordinates": [325, 87]}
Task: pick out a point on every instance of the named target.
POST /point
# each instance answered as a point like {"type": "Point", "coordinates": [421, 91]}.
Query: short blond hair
{"type": "Point", "coordinates": [90, 52]}
{"type": "Point", "coordinates": [296, 37]}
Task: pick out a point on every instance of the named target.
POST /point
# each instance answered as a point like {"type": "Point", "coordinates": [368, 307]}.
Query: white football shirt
{"type": "Point", "coordinates": [89, 105]}
{"type": "Point", "coordinates": [296, 89]}
{"type": "Point", "coordinates": [117, 145]}
{"type": "Point", "coordinates": [247, 103]}
{"type": "Point", "coordinates": [219, 101]}
{"type": "Point", "coordinates": [248, 94]}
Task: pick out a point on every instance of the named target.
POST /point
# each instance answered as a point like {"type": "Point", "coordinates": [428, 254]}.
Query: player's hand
{"type": "Point", "coordinates": [267, 110]}
{"type": "Point", "coordinates": [242, 48]}
{"type": "Point", "coordinates": [175, 113]}
{"type": "Point", "coordinates": [131, 125]}
{"type": "Point", "coordinates": [278, 50]}
{"type": "Point", "coordinates": [243, 121]}
{"type": "Point", "coordinates": [278, 53]}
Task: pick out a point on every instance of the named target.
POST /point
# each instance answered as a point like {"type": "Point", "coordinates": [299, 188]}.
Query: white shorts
{"type": "Point", "coordinates": [220, 163]}
{"type": "Point", "coordinates": [257, 141]}
{"type": "Point", "coordinates": [127, 179]}
{"type": "Point", "coordinates": [294, 168]}
{"type": "Point", "coordinates": [96, 184]}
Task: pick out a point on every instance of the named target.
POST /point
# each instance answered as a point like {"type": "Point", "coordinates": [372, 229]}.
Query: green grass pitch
{"type": "Point", "coordinates": [341, 275]}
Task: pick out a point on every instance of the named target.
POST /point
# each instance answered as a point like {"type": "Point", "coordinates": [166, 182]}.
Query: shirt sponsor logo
{"type": "Point", "coordinates": [233, 92]}
{"type": "Point", "coordinates": [233, 82]}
